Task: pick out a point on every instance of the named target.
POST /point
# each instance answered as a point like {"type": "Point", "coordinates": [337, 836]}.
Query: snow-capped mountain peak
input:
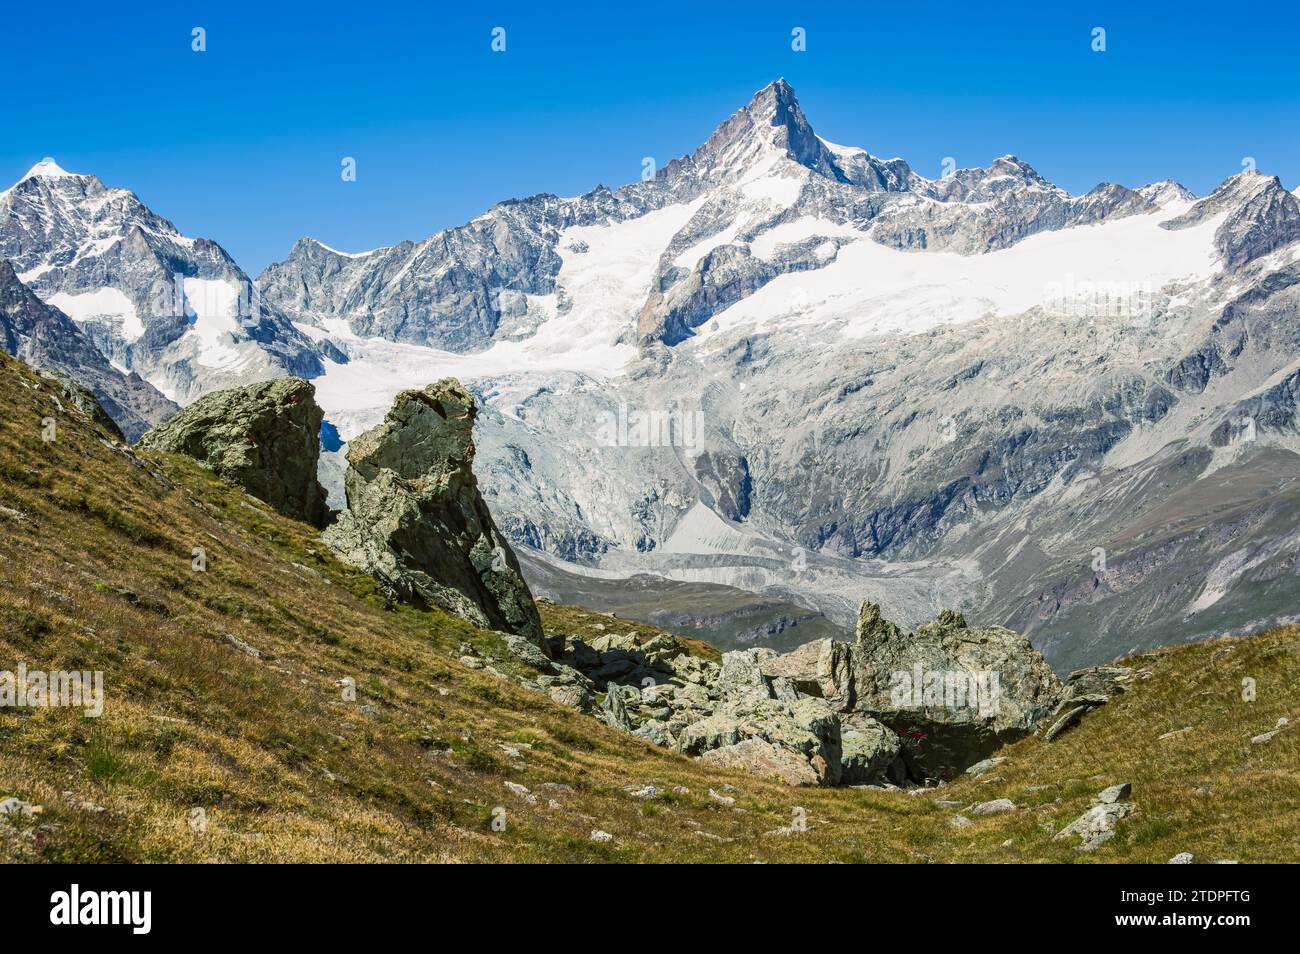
{"type": "Point", "coordinates": [47, 168]}
{"type": "Point", "coordinates": [772, 123]}
{"type": "Point", "coordinates": [1167, 194]}
{"type": "Point", "coordinates": [762, 197]}
{"type": "Point", "coordinates": [175, 309]}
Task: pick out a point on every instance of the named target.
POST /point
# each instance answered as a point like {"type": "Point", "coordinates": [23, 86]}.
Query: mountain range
{"type": "Point", "coordinates": [776, 365]}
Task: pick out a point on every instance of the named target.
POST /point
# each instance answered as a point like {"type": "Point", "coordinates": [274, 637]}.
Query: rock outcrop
{"type": "Point", "coordinates": [890, 708]}
{"type": "Point", "coordinates": [953, 693]}
{"type": "Point", "coordinates": [84, 400]}
{"type": "Point", "coordinates": [1085, 690]}
{"type": "Point", "coordinates": [416, 521]}
{"type": "Point", "coordinates": [263, 437]}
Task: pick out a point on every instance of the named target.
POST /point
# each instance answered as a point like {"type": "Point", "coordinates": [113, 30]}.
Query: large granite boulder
{"type": "Point", "coordinates": [417, 523]}
{"type": "Point", "coordinates": [264, 437]}
{"type": "Point", "coordinates": [953, 693]}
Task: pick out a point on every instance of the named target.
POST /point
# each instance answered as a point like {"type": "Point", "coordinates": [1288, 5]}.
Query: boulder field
{"type": "Point", "coordinates": [890, 708]}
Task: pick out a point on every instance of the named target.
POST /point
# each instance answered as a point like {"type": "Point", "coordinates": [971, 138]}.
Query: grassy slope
{"type": "Point", "coordinates": [95, 553]}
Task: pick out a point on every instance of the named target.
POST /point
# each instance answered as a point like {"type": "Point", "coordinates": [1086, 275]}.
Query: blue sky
{"type": "Point", "coordinates": [243, 143]}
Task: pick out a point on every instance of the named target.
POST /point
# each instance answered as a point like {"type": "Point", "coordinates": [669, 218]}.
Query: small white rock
{"type": "Point", "coordinates": [996, 807]}
{"type": "Point", "coordinates": [522, 792]}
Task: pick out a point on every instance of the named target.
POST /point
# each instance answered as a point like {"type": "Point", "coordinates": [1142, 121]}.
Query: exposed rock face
{"type": "Point", "coordinates": [1087, 689]}
{"type": "Point", "coordinates": [264, 437]}
{"type": "Point", "coordinates": [726, 478]}
{"type": "Point", "coordinates": [953, 694]}
{"type": "Point", "coordinates": [416, 521]}
{"type": "Point", "coordinates": [1262, 216]}
{"type": "Point", "coordinates": [47, 339]}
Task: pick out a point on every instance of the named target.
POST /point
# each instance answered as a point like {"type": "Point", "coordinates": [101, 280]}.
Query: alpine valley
{"type": "Point", "coordinates": [775, 377]}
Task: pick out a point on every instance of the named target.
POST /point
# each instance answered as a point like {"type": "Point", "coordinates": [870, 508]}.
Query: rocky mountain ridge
{"type": "Point", "coordinates": [464, 288]}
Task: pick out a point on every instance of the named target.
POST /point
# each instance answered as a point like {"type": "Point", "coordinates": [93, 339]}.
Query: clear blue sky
{"type": "Point", "coordinates": [242, 143]}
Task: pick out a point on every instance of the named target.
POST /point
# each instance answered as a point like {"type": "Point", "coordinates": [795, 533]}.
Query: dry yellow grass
{"type": "Point", "coordinates": [95, 574]}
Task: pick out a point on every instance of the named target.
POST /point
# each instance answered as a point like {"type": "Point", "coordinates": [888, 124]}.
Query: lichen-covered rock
{"type": "Point", "coordinates": [615, 707]}
{"type": "Point", "coordinates": [572, 695]}
{"type": "Point", "coordinates": [890, 708]}
{"type": "Point", "coordinates": [953, 693]}
{"type": "Point", "coordinates": [264, 437]}
{"type": "Point", "coordinates": [742, 678]}
{"type": "Point", "coordinates": [417, 523]}
{"type": "Point", "coordinates": [870, 752]}
{"type": "Point", "coordinates": [823, 668]}
{"type": "Point", "coordinates": [807, 729]}
{"type": "Point", "coordinates": [1096, 826]}
{"type": "Point", "coordinates": [759, 757]}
